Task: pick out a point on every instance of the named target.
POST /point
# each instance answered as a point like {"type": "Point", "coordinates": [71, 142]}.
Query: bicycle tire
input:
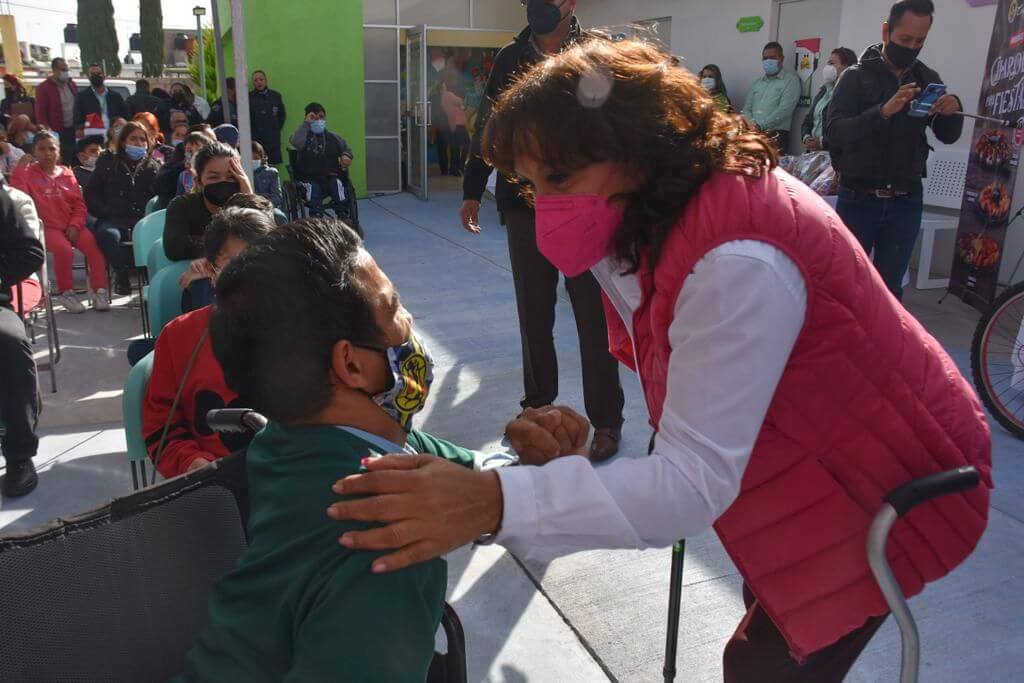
{"type": "Point", "coordinates": [979, 355]}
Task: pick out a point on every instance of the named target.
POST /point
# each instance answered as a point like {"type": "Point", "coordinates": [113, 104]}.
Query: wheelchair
{"type": "Point", "coordinates": [299, 202]}
{"type": "Point", "coordinates": [119, 593]}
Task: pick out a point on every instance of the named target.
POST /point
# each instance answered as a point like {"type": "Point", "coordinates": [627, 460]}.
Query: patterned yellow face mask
{"type": "Point", "coordinates": [413, 372]}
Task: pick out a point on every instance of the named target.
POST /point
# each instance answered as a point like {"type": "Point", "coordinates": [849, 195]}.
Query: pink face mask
{"type": "Point", "coordinates": [575, 232]}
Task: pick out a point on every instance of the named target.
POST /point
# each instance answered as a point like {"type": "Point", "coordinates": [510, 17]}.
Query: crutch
{"type": "Point", "coordinates": [675, 598]}
{"type": "Point", "coordinates": [897, 504]}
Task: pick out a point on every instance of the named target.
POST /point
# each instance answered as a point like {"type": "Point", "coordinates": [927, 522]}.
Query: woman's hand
{"type": "Point", "coordinates": [431, 506]}
{"type": "Point", "coordinates": [73, 234]}
{"type": "Point", "coordinates": [813, 144]}
{"type": "Point", "coordinates": [199, 269]}
{"type": "Point", "coordinates": [238, 173]}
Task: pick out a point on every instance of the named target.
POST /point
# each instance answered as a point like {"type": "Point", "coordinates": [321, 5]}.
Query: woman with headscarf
{"type": "Point", "coordinates": [15, 94]}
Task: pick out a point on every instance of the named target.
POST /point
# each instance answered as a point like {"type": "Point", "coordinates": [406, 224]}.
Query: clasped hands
{"type": "Point", "coordinates": [429, 506]}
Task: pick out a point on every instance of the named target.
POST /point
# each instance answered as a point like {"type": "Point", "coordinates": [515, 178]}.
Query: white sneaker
{"type": "Point", "coordinates": [70, 302]}
{"type": "Point", "coordinates": [100, 301]}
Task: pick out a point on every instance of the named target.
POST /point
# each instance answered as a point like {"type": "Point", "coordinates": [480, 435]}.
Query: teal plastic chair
{"type": "Point", "coordinates": [147, 231]}
{"type": "Point", "coordinates": [153, 205]}
{"type": "Point", "coordinates": [131, 407]}
{"type": "Point", "coordinates": [157, 259]}
{"type": "Point", "coordinates": [163, 300]}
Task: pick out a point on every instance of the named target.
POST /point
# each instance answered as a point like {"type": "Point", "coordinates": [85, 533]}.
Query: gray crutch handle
{"type": "Point", "coordinates": [235, 420]}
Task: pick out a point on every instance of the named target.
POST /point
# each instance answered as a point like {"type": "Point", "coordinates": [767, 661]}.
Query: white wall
{"type": "Point", "coordinates": [703, 32]}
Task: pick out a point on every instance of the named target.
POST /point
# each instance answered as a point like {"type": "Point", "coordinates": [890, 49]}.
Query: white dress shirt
{"type": "Point", "coordinates": [737, 319]}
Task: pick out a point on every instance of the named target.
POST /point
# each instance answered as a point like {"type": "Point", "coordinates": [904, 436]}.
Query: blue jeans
{"type": "Point", "coordinates": [109, 236]}
{"type": "Point", "coordinates": [888, 226]}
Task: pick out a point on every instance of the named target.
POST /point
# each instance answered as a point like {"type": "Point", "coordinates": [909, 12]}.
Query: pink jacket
{"type": "Point", "coordinates": [58, 199]}
{"type": "Point", "coordinates": [868, 401]}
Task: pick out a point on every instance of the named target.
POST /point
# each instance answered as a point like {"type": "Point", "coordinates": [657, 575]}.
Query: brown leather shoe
{"type": "Point", "coordinates": [605, 444]}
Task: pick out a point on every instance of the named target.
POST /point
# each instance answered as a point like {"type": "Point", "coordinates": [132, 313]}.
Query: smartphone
{"type": "Point", "coordinates": [923, 104]}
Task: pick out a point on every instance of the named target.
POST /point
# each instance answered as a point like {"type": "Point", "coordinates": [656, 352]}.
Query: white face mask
{"type": "Point", "coordinates": [708, 83]}
{"type": "Point", "coordinates": [830, 74]}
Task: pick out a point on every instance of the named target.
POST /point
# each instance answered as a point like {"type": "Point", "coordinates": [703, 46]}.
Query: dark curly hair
{"type": "Point", "coordinates": [629, 103]}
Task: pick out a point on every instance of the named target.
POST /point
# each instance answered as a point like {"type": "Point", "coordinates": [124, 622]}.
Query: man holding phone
{"type": "Point", "coordinates": [876, 134]}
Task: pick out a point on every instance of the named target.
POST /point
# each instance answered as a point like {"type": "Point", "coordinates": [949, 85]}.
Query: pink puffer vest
{"type": "Point", "coordinates": [867, 401]}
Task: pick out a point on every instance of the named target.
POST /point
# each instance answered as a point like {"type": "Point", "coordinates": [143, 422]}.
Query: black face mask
{"type": "Point", "coordinates": [96, 80]}
{"type": "Point", "coordinates": [178, 98]}
{"type": "Point", "coordinates": [899, 56]}
{"type": "Point", "coordinates": [219, 193]}
{"type": "Point", "coordinates": [544, 17]}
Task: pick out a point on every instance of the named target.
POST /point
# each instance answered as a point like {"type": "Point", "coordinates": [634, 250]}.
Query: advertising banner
{"type": "Point", "coordinates": [992, 167]}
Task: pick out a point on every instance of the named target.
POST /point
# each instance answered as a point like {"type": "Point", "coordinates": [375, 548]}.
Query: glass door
{"type": "Point", "coordinates": [419, 111]}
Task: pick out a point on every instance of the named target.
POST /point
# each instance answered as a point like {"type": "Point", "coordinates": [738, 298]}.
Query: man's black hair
{"type": "Point", "coordinates": [257, 151]}
{"type": "Point", "coordinates": [160, 93]}
{"type": "Point", "coordinates": [315, 108]}
{"type": "Point", "coordinates": [95, 64]}
{"type": "Point", "coordinates": [282, 305]}
{"type": "Point", "coordinates": [209, 152]}
{"type": "Point", "coordinates": [848, 56]}
{"type": "Point", "coordinates": [229, 82]}
{"type": "Point", "coordinates": [201, 139]}
{"type": "Point", "coordinates": [53, 63]}
{"type": "Point", "coordinates": [82, 143]}
{"type": "Point", "coordinates": [142, 84]}
{"type": "Point", "coordinates": [260, 71]}
{"type": "Point", "coordinates": [774, 45]}
{"type": "Point", "coordinates": [245, 200]}
{"type": "Point", "coordinates": [922, 8]}
{"type": "Point", "coordinates": [247, 224]}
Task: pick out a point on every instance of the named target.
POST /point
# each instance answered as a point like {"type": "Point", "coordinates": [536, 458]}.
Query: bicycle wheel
{"type": "Point", "coordinates": [997, 360]}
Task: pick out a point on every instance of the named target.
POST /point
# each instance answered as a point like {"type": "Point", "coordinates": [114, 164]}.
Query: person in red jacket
{"type": "Point", "coordinates": [55, 107]}
{"type": "Point", "coordinates": [177, 436]}
{"type": "Point", "coordinates": [61, 207]}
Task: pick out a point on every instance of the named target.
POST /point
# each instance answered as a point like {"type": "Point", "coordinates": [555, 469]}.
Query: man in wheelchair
{"type": "Point", "coordinates": [310, 329]}
{"type": "Point", "coordinates": [320, 164]}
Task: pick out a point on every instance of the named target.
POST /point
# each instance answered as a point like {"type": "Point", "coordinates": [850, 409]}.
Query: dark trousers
{"type": "Point", "coordinates": [781, 138]}
{"type": "Point", "coordinates": [460, 148]}
{"type": "Point", "coordinates": [536, 284]}
{"type": "Point", "coordinates": [758, 652]}
{"type": "Point", "coordinates": [68, 143]}
{"type": "Point", "coordinates": [888, 226]}
{"type": "Point", "coordinates": [109, 235]}
{"type": "Point", "coordinates": [19, 394]}
{"type": "Point", "coordinates": [441, 143]}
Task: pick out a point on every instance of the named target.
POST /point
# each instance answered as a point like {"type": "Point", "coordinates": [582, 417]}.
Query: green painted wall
{"type": "Point", "coordinates": [312, 50]}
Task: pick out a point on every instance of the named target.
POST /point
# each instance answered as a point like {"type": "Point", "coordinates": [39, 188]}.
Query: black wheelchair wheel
{"type": "Point", "coordinates": [997, 360]}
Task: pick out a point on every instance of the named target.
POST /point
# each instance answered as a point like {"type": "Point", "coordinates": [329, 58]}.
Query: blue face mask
{"type": "Point", "coordinates": [30, 138]}
{"type": "Point", "coordinates": [134, 152]}
{"type": "Point", "coordinates": [177, 143]}
{"type": "Point", "coordinates": [771, 67]}
{"type": "Point", "coordinates": [318, 126]}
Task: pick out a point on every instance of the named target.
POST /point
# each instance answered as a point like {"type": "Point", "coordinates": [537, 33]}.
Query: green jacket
{"type": "Point", "coordinates": [300, 607]}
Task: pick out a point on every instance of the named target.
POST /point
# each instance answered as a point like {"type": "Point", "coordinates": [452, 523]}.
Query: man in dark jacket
{"type": "Point", "coordinates": [322, 160]}
{"type": "Point", "coordinates": [97, 107]}
{"type": "Point", "coordinates": [21, 254]}
{"type": "Point", "coordinates": [267, 115]}
{"type": "Point", "coordinates": [55, 106]}
{"type": "Point", "coordinates": [142, 100]}
{"type": "Point", "coordinates": [552, 26]}
{"type": "Point", "coordinates": [216, 117]}
{"type": "Point", "coordinates": [879, 150]}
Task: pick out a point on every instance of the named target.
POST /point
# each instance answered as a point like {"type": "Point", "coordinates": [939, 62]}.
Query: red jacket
{"type": "Point", "coordinates": [189, 436]}
{"type": "Point", "coordinates": [49, 113]}
{"type": "Point", "coordinates": [58, 199]}
{"type": "Point", "coordinates": [868, 401]}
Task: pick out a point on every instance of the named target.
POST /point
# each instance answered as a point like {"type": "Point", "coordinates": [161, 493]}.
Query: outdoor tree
{"type": "Point", "coordinates": [151, 20]}
{"type": "Point", "coordinates": [210, 54]}
{"type": "Point", "coordinates": [97, 35]}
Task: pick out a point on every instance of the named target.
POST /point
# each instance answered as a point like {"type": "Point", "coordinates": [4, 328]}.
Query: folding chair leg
{"type": "Point", "coordinates": [675, 597]}
{"type": "Point", "coordinates": [53, 363]}
{"type": "Point", "coordinates": [135, 476]}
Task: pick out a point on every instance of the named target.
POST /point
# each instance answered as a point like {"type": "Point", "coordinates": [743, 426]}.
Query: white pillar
{"type": "Point", "coordinates": [242, 85]}
{"type": "Point", "coordinates": [218, 41]}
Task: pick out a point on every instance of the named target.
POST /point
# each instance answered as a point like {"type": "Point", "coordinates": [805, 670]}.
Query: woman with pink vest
{"type": "Point", "coordinates": [788, 390]}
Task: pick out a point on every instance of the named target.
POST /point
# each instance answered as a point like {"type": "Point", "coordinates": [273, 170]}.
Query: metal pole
{"type": "Point", "coordinates": [242, 79]}
{"type": "Point", "coordinates": [675, 598]}
{"type": "Point", "coordinates": [202, 56]}
{"type": "Point", "coordinates": [878, 534]}
{"type": "Point", "coordinates": [218, 42]}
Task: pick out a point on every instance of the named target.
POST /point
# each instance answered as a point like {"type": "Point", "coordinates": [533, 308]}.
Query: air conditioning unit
{"type": "Point", "coordinates": [71, 33]}
{"type": "Point", "coordinates": [135, 42]}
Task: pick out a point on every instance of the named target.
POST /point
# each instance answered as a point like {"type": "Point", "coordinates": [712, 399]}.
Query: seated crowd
{"type": "Point", "coordinates": [102, 159]}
